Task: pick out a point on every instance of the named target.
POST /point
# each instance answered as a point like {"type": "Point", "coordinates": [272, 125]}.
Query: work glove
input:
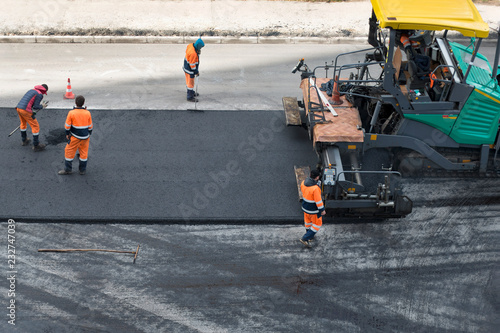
{"type": "Point", "coordinates": [45, 103]}
{"type": "Point", "coordinates": [33, 115]}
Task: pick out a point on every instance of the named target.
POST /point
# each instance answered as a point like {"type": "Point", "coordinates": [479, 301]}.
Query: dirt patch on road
{"type": "Point", "coordinates": [56, 136]}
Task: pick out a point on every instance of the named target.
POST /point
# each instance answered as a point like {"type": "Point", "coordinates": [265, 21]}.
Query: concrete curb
{"type": "Point", "coordinates": [178, 40]}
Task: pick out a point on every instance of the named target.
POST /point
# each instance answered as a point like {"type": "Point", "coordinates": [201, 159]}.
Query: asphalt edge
{"type": "Point", "coordinates": [267, 220]}
{"type": "Point", "coordinates": [156, 220]}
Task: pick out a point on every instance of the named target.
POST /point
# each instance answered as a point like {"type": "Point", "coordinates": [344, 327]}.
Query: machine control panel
{"type": "Point", "coordinates": [329, 176]}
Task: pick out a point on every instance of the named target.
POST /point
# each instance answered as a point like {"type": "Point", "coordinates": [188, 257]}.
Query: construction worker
{"type": "Point", "coordinates": [78, 130]}
{"type": "Point", "coordinates": [27, 108]}
{"type": "Point", "coordinates": [312, 205]}
{"type": "Point", "coordinates": [191, 64]}
{"type": "Point", "coordinates": [408, 45]}
{"type": "Point", "coordinates": [412, 49]}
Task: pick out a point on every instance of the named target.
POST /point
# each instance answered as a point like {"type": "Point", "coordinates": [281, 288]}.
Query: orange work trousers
{"type": "Point", "coordinates": [313, 221]}
{"type": "Point", "coordinates": [77, 144]}
{"type": "Point", "coordinates": [25, 118]}
{"type": "Point", "coordinates": [189, 81]}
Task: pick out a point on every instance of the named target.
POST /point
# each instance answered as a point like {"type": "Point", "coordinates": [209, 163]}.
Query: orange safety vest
{"type": "Point", "coordinates": [312, 202]}
{"type": "Point", "coordinates": [191, 60]}
{"type": "Point", "coordinates": [405, 40]}
{"type": "Point", "coordinates": [79, 123]}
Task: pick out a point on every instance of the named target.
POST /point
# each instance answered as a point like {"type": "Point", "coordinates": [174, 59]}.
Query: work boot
{"type": "Point", "coordinates": [82, 167]}
{"type": "Point", "coordinates": [306, 243]}
{"type": "Point", "coordinates": [191, 94]}
{"type": "Point", "coordinates": [64, 172]}
{"type": "Point", "coordinates": [26, 142]}
{"type": "Point", "coordinates": [39, 147]}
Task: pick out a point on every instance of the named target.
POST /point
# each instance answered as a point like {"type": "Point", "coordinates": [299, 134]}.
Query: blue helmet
{"type": "Point", "coordinates": [198, 44]}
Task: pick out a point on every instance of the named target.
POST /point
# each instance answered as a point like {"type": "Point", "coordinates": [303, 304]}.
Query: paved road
{"type": "Point", "coordinates": [142, 76]}
{"type": "Point", "coordinates": [159, 166]}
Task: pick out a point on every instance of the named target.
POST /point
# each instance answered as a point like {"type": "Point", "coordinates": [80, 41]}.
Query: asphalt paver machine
{"type": "Point", "coordinates": [414, 103]}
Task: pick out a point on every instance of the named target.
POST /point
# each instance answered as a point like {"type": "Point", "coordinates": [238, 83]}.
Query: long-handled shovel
{"type": "Point", "coordinates": [195, 97]}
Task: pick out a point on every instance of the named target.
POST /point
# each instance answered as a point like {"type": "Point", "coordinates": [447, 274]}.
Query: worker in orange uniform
{"type": "Point", "coordinates": [78, 130]}
{"type": "Point", "coordinates": [411, 48]}
{"type": "Point", "coordinates": [191, 64]}
{"type": "Point", "coordinates": [408, 45]}
{"type": "Point", "coordinates": [27, 108]}
{"type": "Point", "coordinates": [312, 205]}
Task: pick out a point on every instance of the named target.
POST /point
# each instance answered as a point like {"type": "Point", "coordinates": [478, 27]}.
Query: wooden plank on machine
{"type": "Point", "coordinates": [301, 173]}
{"type": "Point", "coordinates": [292, 112]}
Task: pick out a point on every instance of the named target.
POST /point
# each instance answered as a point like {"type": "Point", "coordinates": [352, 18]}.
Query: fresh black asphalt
{"type": "Point", "coordinates": [147, 165]}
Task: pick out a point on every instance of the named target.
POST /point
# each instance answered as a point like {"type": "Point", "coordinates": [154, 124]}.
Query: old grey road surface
{"type": "Point", "coordinates": [436, 271]}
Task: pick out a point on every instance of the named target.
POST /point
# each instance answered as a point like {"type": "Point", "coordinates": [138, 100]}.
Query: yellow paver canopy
{"type": "Point", "coordinates": [458, 15]}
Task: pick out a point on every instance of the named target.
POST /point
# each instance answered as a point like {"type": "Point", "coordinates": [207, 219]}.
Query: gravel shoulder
{"type": "Point", "coordinates": [193, 17]}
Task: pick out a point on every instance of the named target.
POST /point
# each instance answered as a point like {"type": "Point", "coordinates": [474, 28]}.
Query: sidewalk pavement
{"type": "Point", "coordinates": [220, 21]}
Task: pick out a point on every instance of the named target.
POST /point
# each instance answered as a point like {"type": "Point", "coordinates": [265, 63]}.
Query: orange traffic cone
{"type": "Point", "coordinates": [69, 94]}
{"type": "Point", "coordinates": [336, 94]}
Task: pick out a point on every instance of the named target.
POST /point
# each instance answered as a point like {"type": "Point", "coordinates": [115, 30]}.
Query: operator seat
{"type": "Point", "coordinates": [419, 70]}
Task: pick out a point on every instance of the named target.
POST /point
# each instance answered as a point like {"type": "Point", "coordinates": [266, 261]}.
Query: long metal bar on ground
{"type": "Point", "coordinates": [84, 250]}
{"type": "Point", "coordinates": [135, 253]}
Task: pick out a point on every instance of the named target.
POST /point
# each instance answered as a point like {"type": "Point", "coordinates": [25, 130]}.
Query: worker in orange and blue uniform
{"type": "Point", "coordinates": [27, 108]}
{"type": "Point", "coordinates": [78, 130]}
{"type": "Point", "coordinates": [191, 64]}
{"type": "Point", "coordinates": [421, 60]}
{"type": "Point", "coordinates": [312, 205]}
